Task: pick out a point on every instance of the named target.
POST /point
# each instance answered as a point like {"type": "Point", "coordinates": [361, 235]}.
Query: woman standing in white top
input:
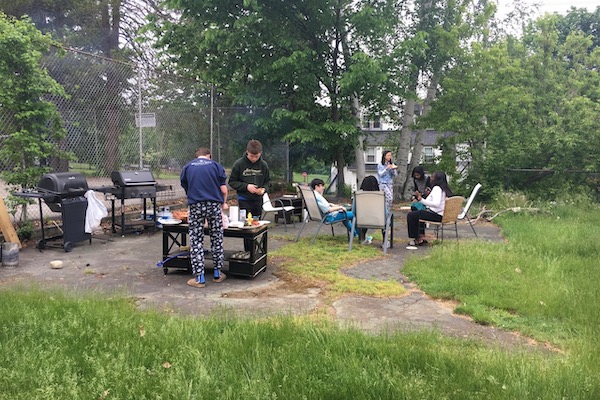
{"type": "Point", "coordinates": [435, 202]}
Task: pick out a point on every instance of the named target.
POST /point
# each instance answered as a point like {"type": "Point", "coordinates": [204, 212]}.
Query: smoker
{"type": "Point", "coordinates": [132, 185]}
{"type": "Point", "coordinates": [63, 192]}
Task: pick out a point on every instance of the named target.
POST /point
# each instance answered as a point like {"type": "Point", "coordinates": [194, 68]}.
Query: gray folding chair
{"type": "Point", "coordinates": [314, 213]}
{"type": "Point", "coordinates": [369, 212]}
{"type": "Point", "coordinates": [465, 211]}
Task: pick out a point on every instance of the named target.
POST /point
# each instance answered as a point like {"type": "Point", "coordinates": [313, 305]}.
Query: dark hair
{"type": "Point", "coordinates": [418, 170]}
{"type": "Point", "coordinates": [202, 151]}
{"type": "Point", "coordinates": [254, 147]}
{"type": "Point", "coordinates": [439, 179]}
{"type": "Point", "coordinates": [385, 152]}
{"type": "Point", "coordinates": [316, 182]}
{"type": "Point", "coordinates": [369, 184]}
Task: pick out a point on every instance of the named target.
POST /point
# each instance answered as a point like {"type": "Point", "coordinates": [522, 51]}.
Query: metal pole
{"type": "Point", "coordinates": [140, 119]}
{"type": "Point", "coordinates": [212, 93]}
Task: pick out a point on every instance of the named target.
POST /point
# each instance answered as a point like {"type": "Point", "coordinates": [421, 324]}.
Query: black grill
{"type": "Point", "coordinates": [63, 192]}
{"type": "Point", "coordinates": [132, 185]}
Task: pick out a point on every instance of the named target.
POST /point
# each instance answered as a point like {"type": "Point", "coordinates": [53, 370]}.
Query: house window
{"type": "Point", "coordinates": [428, 154]}
{"type": "Point", "coordinates": [376, 124]}
{"type": "Point", "coordinates": [370, 153]}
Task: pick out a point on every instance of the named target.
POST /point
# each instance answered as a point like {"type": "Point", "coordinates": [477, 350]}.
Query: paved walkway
{"type": "Point", "coordinates": [127, 265]}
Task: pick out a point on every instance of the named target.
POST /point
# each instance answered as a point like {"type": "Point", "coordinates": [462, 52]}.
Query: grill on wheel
{"type": "Point", "coordinates": [63, 192]}
{"type": "Point", "coordinates": [132, 185]}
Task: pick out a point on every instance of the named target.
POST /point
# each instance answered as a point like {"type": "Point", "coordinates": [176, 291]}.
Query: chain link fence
{"type": "Point", "coordinates": [101, 116]}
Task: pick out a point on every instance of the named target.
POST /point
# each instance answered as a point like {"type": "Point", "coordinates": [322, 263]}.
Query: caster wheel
{"type": "Point", "coordinates": [41, 244]}
{"type": "Point", "coordinates": [68, 246]}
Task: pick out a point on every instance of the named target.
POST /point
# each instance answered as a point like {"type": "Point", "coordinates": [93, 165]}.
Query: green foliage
{"type": "Point", "coordinates": [36, 124]}
{"type": "Point", "coordinates": [25, 230]}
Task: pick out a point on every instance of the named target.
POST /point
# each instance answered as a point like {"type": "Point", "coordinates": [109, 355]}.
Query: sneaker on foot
{"type": "Point", "coordinates": [221, 278]}
{"type": "Point", "coordinates": [368, 240]}
{"type": "Point", "coordinates": [194, 283]}
{"type": "Point", "coordinates": [385, 245]}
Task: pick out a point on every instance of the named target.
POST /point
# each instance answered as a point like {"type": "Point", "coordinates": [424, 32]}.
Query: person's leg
{"type": "Point", "coordinates": [389, 195]}
{"type": "Point", "coordinates": [215, 229]}
{"type": "Point", "coordinates": [196, 219]}
{"type": "Point", "coordinates": [412, 221]}
{"type": "Point", "coordinates": [251, 207]}
{"type": "Point", "coordinates": [427, 216]}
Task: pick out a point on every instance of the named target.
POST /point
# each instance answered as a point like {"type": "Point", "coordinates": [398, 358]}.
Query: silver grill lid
{"type": "Point", "coordinates": [132, 178]}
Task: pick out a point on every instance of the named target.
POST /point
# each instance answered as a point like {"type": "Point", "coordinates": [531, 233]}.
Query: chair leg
{"type": "Point", "coordinates": [352, 234]}
{"type": "Point", "coordinates": [472, 227]}
{"type": "Point", "coordinates": [316, 234]}
{"type": "Point", "coordinates": [301, 228]}
{"type": "Point", "coordinates": [456, 230]}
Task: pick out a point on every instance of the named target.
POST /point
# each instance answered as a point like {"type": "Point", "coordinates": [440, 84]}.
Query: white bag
{"type": "Point", "coordinates": [96, 210]}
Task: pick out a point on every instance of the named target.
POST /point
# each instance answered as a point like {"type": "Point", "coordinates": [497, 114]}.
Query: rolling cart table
{"type": "Point", "coordinates": [176, 236]}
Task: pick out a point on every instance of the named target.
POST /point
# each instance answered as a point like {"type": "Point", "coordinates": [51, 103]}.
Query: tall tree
{"type": "Point", "coordinates": [304, 60]}
{"type": "Point", "coordinates": [24, 84]}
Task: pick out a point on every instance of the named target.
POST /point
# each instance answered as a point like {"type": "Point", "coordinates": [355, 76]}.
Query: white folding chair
{"type": "Point", "coordinates": [465, 211]}
{"type": "Point", "coordinates": [268, 207]}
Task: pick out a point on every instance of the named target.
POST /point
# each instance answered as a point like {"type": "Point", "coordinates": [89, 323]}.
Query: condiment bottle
{"type": "Point", "coordinates": [249, 221]}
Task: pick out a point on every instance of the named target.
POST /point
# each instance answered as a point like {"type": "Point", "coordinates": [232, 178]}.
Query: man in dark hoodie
{"type": "Point", "coordinates": [250, 179]}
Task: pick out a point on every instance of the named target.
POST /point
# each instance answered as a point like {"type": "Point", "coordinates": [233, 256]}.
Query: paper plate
{"type": "Point", "coordinates": [412, 248]}
{"type": "Point", "coordinates": [171, 221]}
{"type": "Point", "coordinates": [264, 223]}
{"type": "Point", "coordinates": [288, 196]}
{"type": "Point", "coordinates": [236, 224]}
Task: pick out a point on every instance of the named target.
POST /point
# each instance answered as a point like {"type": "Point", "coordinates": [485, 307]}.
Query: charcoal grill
{"type": "Point", "coordinates": [62, 192]}
{"type": "Point", "coordinates": [132, 185]}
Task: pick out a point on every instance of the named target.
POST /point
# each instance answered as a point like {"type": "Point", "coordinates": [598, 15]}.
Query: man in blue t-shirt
{"type": "Point", "coordinates": [204, 182]}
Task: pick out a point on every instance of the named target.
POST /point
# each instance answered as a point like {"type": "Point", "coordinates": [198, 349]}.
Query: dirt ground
{"type": "Point", "coordinates": [126, 265]}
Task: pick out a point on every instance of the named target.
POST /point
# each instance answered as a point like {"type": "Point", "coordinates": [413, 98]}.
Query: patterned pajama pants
{"type": "Point", "coordinates": [388, 190]}
{"type": "Point", "coordinates": [199, 213]}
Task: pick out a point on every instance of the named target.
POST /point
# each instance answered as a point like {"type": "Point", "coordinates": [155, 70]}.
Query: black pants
{"type": "Point", "coordinates": [254, 207]}
{"type": "Point", "coordinates": [412, 220]}
{"type": "Point", "coordinates": [251, 206]}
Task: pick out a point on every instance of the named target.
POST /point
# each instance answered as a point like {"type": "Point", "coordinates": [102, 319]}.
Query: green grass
{"type": "Point", "coordinates": [323, 263]}
{"type": "Point", "coordinates": [57, 347]}
{"type": "Point", "coordinates": [542, 282]}
{"type": "Point", "coordinates": [299, 178]}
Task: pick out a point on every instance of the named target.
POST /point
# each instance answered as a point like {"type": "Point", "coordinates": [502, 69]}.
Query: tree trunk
{"type": "Point", "coordinates": [404, 148]}
{"type": "Point", "coordinates": [418, 145]}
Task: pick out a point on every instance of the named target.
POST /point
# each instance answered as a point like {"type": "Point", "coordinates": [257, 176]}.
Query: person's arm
{"type": "Point", "coordinates": [224, 191]}
{"type": "Point", "coordinates": [267, 178]}
{"type": "Point", "coordinates": [183, 179]}
{"type": "Point", "coordinates": [381, 169]}
{"type": "Point", "coordinates": [434, 199]}
{"type": "Point", "coordinates": [235, 180]}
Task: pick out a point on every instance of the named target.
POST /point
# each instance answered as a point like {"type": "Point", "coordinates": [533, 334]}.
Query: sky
{"type": "Point", "coordinates": [551, 6]}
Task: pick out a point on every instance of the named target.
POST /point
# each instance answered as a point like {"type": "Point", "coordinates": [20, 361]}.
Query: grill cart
{"type": "Point", "coordinates": [132, 185]}
{"type": "Point", "coordinates": [63, 192]}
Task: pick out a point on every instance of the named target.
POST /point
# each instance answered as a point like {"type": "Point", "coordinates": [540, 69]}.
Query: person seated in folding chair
{"type": "Point", "coordinates": [435, 202]}
{"type": "Point", "coordinates": [369, 184]}
{"type": "Point", "coordinates": [318, 186]}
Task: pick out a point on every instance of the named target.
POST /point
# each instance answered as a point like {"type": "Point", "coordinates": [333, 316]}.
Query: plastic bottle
{"type": "Point", "coordinates": [249, 220]}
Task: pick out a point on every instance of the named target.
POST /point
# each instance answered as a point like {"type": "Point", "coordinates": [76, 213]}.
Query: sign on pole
{"type": "Point", "coordinates": [148, 120]}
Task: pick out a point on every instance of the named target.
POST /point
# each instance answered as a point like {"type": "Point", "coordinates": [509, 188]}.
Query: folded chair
{"type": "Point", "coordinates": [465, 211]}
{"type": "Point", "coordinates": [451, 210]}
{"type": "Point", "coordinates": [267, 207]}
{"type": "Point", "coordinates": [369, 212]}
{"type": "Point", "coordinates": [314, 213]}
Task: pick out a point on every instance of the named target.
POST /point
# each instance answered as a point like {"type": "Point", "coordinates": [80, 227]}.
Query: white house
{"type": "Point", "coordinates": [379, 140]}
